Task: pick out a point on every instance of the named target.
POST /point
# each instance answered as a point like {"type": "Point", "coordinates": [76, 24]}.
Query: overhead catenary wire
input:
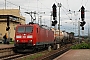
{"type": "Point", "coordinates": [17, 5]}
{"type": "Point", "coordinates": [65, 8]}
{"type": "Point", "coordinates": [44, 5]}
{"type": "Point", "coordinates": [68, 5]}
{"type": "Point", "coordinates": [66, 13]}
{"type": "Point", "coordinates": [41, 7]}
{"type": "Point", "coordinates": [25, 6]}
{"type": "Point", "coordinates": [20, 6]}
{"type": "Point", "coordinates": [12, 3]}
{"type": "Point", "coordinates": [27, 10]}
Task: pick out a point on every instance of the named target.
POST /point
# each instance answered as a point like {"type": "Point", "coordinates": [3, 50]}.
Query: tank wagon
{"type": "Point", "coordinates": [62, 37]}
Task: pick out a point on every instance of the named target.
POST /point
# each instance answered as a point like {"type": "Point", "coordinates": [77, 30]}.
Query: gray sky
{"type": "Point", "coordinates": [46, 6]}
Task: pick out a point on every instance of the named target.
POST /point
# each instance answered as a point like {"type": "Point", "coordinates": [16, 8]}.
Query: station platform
{"type": "Point", "coordinates": [6, 46]}
{"type": "Point", "coordinates": [78, 54]}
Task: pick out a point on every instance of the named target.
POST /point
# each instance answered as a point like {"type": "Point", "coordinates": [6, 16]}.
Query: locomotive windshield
{"type": "Point", "coordinates": [21, 29]}
{"type": "Point", "coordinates": [26, 29]}
{"type": "Point", "coordinates": [29, 29]}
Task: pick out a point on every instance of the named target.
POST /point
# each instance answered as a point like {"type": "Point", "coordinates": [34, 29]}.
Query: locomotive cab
{"type": "Point", "coordinates": [25, 36]}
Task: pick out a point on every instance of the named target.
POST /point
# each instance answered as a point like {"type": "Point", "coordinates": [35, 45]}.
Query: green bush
{"type": "Point", "coordinates": [89, 45]}
{"type": "Point", "coordinates": [84, 46]}
{"type": "Point", "coordinates": [77, 46]}
{"type": "Point", "coordinates": [81, 46]}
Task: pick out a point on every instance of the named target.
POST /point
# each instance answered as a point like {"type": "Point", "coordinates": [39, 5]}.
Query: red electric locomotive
{"type": "Point", "coordinates": [32, 36]}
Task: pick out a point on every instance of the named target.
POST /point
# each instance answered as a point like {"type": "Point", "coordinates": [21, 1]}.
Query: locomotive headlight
{"type": "Point", "coordinates": [18, 36]}
{"type": "Point", "coordinates": [17, 40]}
{"type": "Point", "coordinates": [30, 41]}
{"type": "Point", "coordinates": [29, 36]}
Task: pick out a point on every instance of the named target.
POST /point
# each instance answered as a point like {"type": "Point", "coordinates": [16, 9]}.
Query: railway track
{"type": "Point", "coordinates": [14, 56]}
{"type": "Point", "coordinates": [8, 54]}
{"type": "Point", "coordinates": [18, 56]}
{"type": "Point", "coordinates": [6, 51]}
{"type": "Point", "coordinates": [55, 53]}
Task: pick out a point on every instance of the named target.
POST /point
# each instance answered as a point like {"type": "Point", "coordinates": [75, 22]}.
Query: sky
{"type": "Point", "coordinates": [69, 12]}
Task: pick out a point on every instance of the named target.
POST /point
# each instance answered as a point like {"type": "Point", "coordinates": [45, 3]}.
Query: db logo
{"type": "Point", "coordinates": [24, 36]}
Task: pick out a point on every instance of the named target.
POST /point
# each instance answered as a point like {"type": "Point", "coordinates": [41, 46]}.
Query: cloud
{"type": "Point", "coordinates": [46, 6]}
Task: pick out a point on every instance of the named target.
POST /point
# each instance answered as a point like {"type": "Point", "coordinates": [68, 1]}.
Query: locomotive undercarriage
{"type": "Point", "coordinates": [30, 47]}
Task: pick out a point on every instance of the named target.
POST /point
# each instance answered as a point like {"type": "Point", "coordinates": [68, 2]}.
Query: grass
{"type": "Point", "coordinates": [11, 42]}
{"type": "Point", "coordinates": [81, 46]}
{"type": "Point", "coordinates": [32, 57]}
{"type": "Point", "coordinates": [35, 56]}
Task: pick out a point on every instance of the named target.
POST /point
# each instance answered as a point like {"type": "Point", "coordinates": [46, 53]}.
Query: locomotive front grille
{"type": "Point", "coordinates": [24, 44]}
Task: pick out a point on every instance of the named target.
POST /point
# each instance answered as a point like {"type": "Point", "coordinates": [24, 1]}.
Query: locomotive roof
{"type": "Point", "coordinates": [42, 26]}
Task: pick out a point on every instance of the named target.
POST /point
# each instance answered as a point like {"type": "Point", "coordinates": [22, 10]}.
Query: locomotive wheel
{"type": "Point", "coordinates": [55, 47]}
{"type": "Point", "coordinates": [15, 50]}
{"type": "Point", "coordinates": [35, 50]}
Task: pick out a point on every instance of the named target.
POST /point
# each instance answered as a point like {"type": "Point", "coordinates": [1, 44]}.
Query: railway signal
{"type": "Point", "coordinates": [7, 28]}
{"type": "Point", "coordinates": [54, 12]}
{"type": "Point", "coordinates": [82, 24]}
{"type": "Point", "coordinates": [54, 23]}
{"type": "Point", "coordinates": [7, 20]}
{"type": "Point", "coordinates": [54, 15]}
{"type": "Point", "coordinates": [82, 17]}
{"type": "Point", "coordinates": [82, 13]}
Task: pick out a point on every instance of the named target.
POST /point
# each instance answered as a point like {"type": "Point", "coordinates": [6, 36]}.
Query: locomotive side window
{"type": "Point", "coordinates": [29, 29]}
{"type": "Point", "coordinates": [21, 29]}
